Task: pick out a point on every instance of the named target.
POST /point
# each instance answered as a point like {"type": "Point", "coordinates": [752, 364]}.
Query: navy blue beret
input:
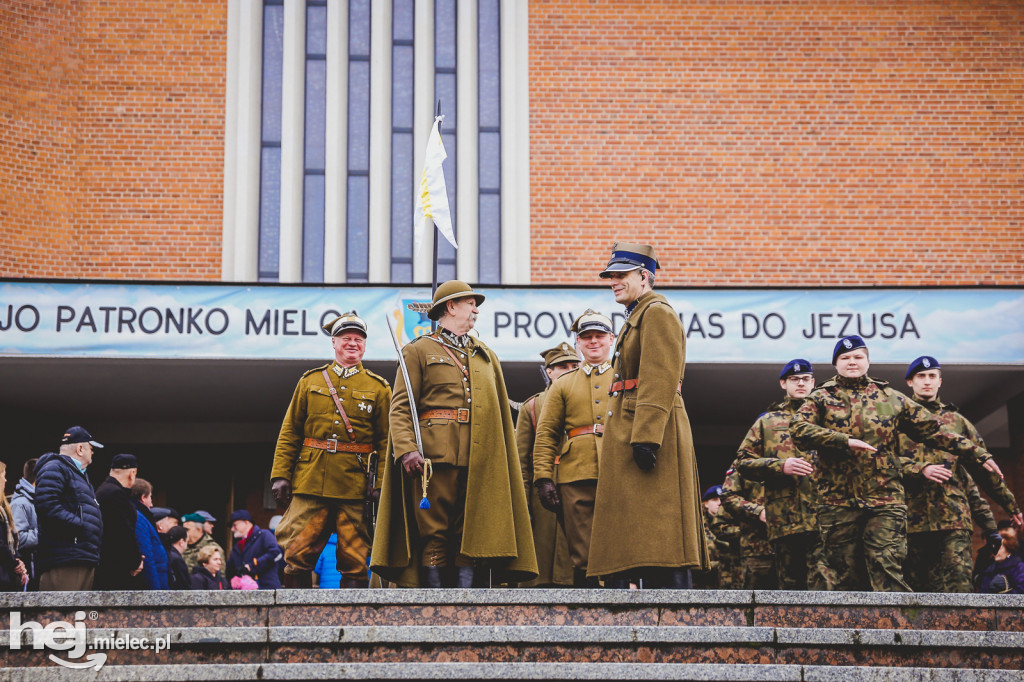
{"type": "Point", "coordinates": [925, 362]}
{"type": "Point", "coordinates": [847, 344]}
{"type": "Point", "coordinates": [797, 366]}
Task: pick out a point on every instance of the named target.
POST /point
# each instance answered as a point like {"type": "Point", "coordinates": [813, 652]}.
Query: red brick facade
{"type": "Point", "coordinates": [780, 143]}
{"type": "Point", "coordinates": [112, 155]}
{"type": "Point", "coordinates": [802, 143]}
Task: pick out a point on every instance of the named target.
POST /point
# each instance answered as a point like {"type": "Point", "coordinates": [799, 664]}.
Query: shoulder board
{"type": "Point", "coordinates": [418, 338]}
{"type": "Point", "coordinates": [317, 370]}
{"type": "Point", "coordinates": [949, 406]}
{"type": "Point", "coordinates": [377, 377]}
{"type": "Point", "coordinates": [566, 374]}
{"type": "Point", "coordinates": [533, 397]}
{"type": "Point", "coordinates": [878, 382]}
{"type": "Point", "coordinates": [831, 383]}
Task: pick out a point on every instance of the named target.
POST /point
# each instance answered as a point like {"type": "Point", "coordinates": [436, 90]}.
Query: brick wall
{"type": "Point", "coordinates": [780, 143]}
{"type": "Point", "coordinates": [112, 156]}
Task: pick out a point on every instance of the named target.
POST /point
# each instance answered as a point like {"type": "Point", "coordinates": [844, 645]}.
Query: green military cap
{"type": "Point", "coordinates": [627, 257]}
{"type": "Point", "coordinates": [563, 352]}
{"type": "Point", "coordinates": [591, 320]}
{"type": "Point", "coordinates": [450, 290]}
{"type": "Point", "coordinates": [349, 321]}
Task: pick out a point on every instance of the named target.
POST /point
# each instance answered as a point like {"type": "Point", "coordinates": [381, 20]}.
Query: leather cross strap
{"type": "Point", "coordinates": [630, 384]}
{"type": "Point", "coordinates": [460, 415]}
{"type": "Point", "coordinates": [332, 445]}
{"type": "Point", "coordinates": [341, 410]}
{"type": "Point", "coordinates": [596, 429]}
{"type": "Point", "coordinates": [462, 367]}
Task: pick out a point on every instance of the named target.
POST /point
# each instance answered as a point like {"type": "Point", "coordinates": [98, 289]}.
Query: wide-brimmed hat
{"type": "Point", "coordinates": [450, 290]}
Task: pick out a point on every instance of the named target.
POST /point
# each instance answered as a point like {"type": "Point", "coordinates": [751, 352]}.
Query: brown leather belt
{"type": "Point", "coordinates": [630, 384]}
{"type": "Point", "coordinates": [627, 385]}
{"type": "Point", "coordinates": [460, 415]}
{"type": "Point", "coordinates": [596, 429]}
{"type": "Point", "coordinates": [332, 445]}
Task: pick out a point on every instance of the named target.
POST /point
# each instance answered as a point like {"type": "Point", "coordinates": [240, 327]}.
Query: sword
{"type": "Point", "coordinates": [408, 390]}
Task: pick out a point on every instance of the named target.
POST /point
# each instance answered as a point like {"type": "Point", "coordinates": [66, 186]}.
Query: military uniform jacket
{"type": "Point", "coordinates": [866, 408]}
{"type": "Point", "coordinates": [946, 506]}
{"type": "Point", "coordinates": [576, 399]}
{"type": "Point", "coordinates": [648, 518]}
{"type": "Point", "coordinates": [312, 414]}
{"type": "Point", "coordinates": [791, 502]}
{"type": "Point", "coordinates": [744, 499]}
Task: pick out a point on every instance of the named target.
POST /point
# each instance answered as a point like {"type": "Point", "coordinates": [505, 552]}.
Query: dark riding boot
{"type": "Point", "coordinates": [298, 581]}
{"type": "Point", "coordinates": [432, 576]}
{"type": "Point", "coordinates": [354, 582]}
{"type": "Point", "coordinates": [617, 581]}
{"type": "Point", "coordinates": [466, 577]}
{"type": "Point", "coordinates": [580, 579]}
{"type": "Point", "coordinates": [677, 579]}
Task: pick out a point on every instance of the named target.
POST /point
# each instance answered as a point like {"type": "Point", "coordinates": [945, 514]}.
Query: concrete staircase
{"type": "Point", "coordinates": [522, 635]}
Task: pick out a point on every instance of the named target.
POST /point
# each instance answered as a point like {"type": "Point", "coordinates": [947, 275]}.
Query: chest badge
{"type": "Point", "coordinates": [366, 407]}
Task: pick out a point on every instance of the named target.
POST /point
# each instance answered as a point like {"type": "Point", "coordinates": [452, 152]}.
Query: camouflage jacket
{"type": "Point", "coordinates": [791, 502]}
{"type": "Point", "coordinates": [947, 506]}
{"type": "Point", "coordinates": [866, 408]}
{"type": "Point", "coordinates": [745, 501]}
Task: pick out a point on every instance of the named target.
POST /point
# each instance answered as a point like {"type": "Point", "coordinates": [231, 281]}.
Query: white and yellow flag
{"type": "Point", "coordinates": [432, 202]}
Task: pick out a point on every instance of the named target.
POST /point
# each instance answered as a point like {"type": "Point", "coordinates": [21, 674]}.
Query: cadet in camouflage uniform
{"type": "Point", "coordinates": [852, 420]}
{"type": "Point", "coordinates": [710, 579]}
{"type": "Point", "coordinates": [768, 454]}
{"type": "Point", "coordinates": [725, 531]}
{"type": "Point", "coordinates": [939, 523]}
{"type": "Point", "coordinates": [553, 563]}
{"type": "Point", "coordinates": [337, 417]}
{"type": "Point", "coordinates": [569, 431]}
{"type": "Point", "coordinates": [744, 499]}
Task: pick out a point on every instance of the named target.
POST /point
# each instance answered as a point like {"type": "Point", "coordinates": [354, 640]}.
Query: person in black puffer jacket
{"type": "Point", "coordinates": [207, 573]}
{"type": "Point", "coordinates": [70, 521]}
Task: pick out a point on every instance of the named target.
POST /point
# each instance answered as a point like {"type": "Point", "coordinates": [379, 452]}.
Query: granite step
{"type": "Point", "coordinates": [864, 610]}
{"type": "Point", "coordinates": [515, 631]}
{"type": "Point", "coordinates": [606, 672]}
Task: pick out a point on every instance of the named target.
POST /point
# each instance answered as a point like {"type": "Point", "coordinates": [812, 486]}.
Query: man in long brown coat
{"type": "Point", "coordinates": [472, 517]}
{"type": "Point", "coordinates": [647, 517]}
{"type": "Point", "coordinates": [553, 563]}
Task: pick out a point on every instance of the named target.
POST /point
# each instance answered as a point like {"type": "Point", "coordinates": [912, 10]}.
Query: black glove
{"type": "Point", "coordinates": [548, 494]}
{"type": "Point", "coordinates": [645, 455]}
{"type": "Point", "coordinates": [994, 541]}
{"type": "Point", "coordinates": [246, 569]}
{"type": "Point", "coordinates": [281, 488]}
{"type": "Point", "coordinates": [374, 495]}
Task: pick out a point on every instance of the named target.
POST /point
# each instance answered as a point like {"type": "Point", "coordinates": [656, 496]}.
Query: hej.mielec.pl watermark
{"type": "Point", "coordinates": [60, 635]}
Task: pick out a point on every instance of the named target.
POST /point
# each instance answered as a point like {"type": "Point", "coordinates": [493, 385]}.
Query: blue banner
{"type": "Point", "coordinates": [281, 322]}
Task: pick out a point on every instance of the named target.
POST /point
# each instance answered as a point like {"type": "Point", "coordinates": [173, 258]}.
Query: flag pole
{"type": "Point", "coordinates": [433, 288]}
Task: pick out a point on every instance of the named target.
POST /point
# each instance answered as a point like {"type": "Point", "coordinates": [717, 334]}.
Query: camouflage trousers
{"type": "Point", "coordinates": [730, 570]}
{"type": "Point", "coordinates": [759, 572]}
{"type": "Point", "coordinates": [939, 561]}
{"type": "Point", "coordinates": [800, 562]}
{"type": "Point", "coordinates": [865, 548]}
{"type": "Point", "coordinates": [307, 526]}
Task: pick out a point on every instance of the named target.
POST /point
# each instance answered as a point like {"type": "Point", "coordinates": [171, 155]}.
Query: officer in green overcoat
{"type": "Point", "coordinates": [549, 541]}
{"type": "Point", "coordinates": [337, 417]}
{"type": "Point", "coordinates": [647, 516]}
{"type": "Point", "coordinates": [463, 514]}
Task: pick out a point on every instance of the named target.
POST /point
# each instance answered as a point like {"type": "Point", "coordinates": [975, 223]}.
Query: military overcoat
{"type": "Point", "coordinates": [553, 562]}
{"type": "Point", "coordinates": [497, 522]}
{"type": "Point", "coordinates": [648, 518]}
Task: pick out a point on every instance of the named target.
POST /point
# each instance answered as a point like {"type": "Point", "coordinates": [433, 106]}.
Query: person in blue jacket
{"type": "Point", "coordinates": [326, 574]}
{"type": "Point", "coordinates": [1006, 574]}
{"type": "Point", "coordinates": [70, 521]}
{"type": "Point", "coordinates": [154, 574]}
{"type": "Point", "coordinates": [256, 552]}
